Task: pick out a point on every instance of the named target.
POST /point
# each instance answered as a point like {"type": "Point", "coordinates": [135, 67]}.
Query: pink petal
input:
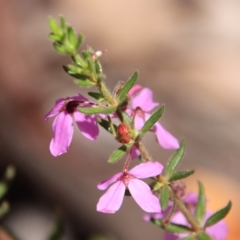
{"type": "Point", "coordinates": [134, 90]}
{"type": "Point", "coordinates": [87, 125]}
{"type": "Point", "coordinates": [144, 100]}
{"type": "Point", "coordinates": [63, 132]}
{"type": "Point", "coordinates": [106, 183]}
{"type": "Point", "coordinates": [218, 231]}
{"type": "Point", "coordinates": [142, 194]}
{"type": "Point", "coordinates": [148, 169]}
{"type": "Point", "coordinates": [165, 139]}
{"type": "Point", "coordinates": [112, 200]}
{"type": "Point", "coordinates": [138, 122]}
{"type": "Point", "coordinates": [78, 97]}
{"type": "Point", "coordinates": [56, 109]}
{"type": "Point", "coordinates": [135, 152]}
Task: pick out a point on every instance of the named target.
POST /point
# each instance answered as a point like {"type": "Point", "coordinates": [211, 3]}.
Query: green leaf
{"type": "Point", "coordinates": [96, 95]}
{"type": "Point", "coordinates": [98, 66]}
{"type": "Point", "coordinates": [79, 40]}
{"type": "Point", "coordinates": [79, 61]}
{"type": "Point", "coordinates": [54, 37]}
{"type": "Point", "coordinates": [106, 125]}
{"type": "Point", "coordinates": [129, 84]}
{"type": "Point", "coordinates": [188, 238]}
{"type": "Point", "coordinates": [59, 48]}
{"type": "Point", "coordinates": [164, 197]}
{"type": "Point", "coordinates": [84, 83]}
{"type": "Point", "coordinates": [219, 215]}
{"type": "Point", "coordinates": [55, 28]}
{"type": "Point", "coordinates": [96, 110]}
{"type": "Point", "coordinates": [175, 160]}
{"type": "Point", "coordinates": [172, 227]}
{"type": "Point", "coordinates": [203, 236]}
{"type": "Point", "coordinates": [71, 36]}
{"type": "Point", "coordinates": [180, 175]}
{"type": "Point", "coordinates": [127, 119]}
{"type": "Point", "coordinates": [200, 209]}
{"type": "Point", "coordinates": [86, 55]}
{"type": "Point", "coordinates": [117, 154]}
{"type": "Point", "coordinates": [63, 23]}
{"type": "Point", "coordinates": [153, 119]}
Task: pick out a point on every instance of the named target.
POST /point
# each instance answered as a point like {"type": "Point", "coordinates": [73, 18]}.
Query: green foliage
{"type": "Point", "coordinates": [200, 209]}
{"type": "Point", "coordinates": [175, 160]}
{"type": "Point", "coordinates": [126, 88]}
{"type": "Point", "coordinates": [106, 125]}
{"type": "Point", "coordinates": [219, 215]}
{"type": "Point", "coordinates": [118, 154]}
{"type": "Point", "coordinates": [98, 96]}
{"type": "Point", "coordinates": [172, 227]}
{"type": "Point", "coordinates": [203, 236]}
{"type": "Point", "coordinates": [164, 197]}
{"type": "Point", "coordinates": [96, 110]}
{"type": "Point", "coordinates": [180, 175]}
{"type": "Point", "coordinates": [152, 120]}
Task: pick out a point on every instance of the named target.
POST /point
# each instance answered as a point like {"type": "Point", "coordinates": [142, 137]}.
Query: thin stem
{"type": "Point", "coordinates": [143, 151]}
{"type": "Point", "coordinates": [128, 160]}
{"type": "Point", "coordinates": [106, 93]}
{"type": "Point", "coordinates": [190, 218]}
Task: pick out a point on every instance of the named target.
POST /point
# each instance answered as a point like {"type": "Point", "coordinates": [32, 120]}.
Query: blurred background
{"type": "Point", "coordinates": [187, 51]}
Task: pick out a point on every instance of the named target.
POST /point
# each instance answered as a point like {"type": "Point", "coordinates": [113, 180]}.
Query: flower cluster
{"type": "Point", "coordinates": [133, 106]}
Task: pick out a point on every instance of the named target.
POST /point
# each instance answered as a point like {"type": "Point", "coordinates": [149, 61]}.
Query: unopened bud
{"type": "Point", "coordinates": [123, 135]}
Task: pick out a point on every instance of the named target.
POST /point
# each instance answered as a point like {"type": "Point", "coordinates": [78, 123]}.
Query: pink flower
{"type": "Point", "coordinates": [66, 111]}
{"type": "Point", "coordinates": [217, 232]}
{"type": "Point", "coordinates": [144, 101]}
{"type": "Point", "coordinates": [112, 200]}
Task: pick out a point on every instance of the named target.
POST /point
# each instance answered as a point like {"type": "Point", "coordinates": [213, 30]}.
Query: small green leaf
{"type": "Point", "coordinates": [55, 28]}
{"type": "Point", "coordinates": [71, 36]}
{"type": "Point", "coordinates": [96, 110]}
{"type": "Point", "coordinates": [175, 160]}
{"type": "Point", "coordinates": [59, 48]}
{"type": "Point", "coordinates": [98, 66]}
{"type": "Point", "coordinates": [200, 209]}
{"type": "Point", "coordinates": [106, 125]}
{"type": "Point", "coordinates": [153, 119]}
{"type": "Point", "coordinates": [164, 197]}
{"type": "Point", "coordinates": [86, 55]}
{"type": "Point", "coordinates": [63, 23]}
{"type": "Point", "coordinates": [54, 37]}
{"type": "Point", "coordinates": [219, 215]}
{"type": "Point", "coordinates": [79, 61]}
{"type": "Point", "coordinates": [84, 83]}
{"type": "Point", "coordinates": [127, 119]}
{"type": "Point", "coordinates": [72, 69]}
{"type": "Point", "coordinates": [129, 84]}
{"type": "Point", "coordinates": [96, 95]}
{"type": "Point", "coordinates": [79, 40]}
{"type": "Point", "coordinates": [172, 227]}
{"type": "Point", "coordinates": [203, 236]}
{"type": "Point", "coordinates": [117, 154]}
{"type": "Point", "coordinates": [180, 175]}
{"type": "Point", "coordinates": [188, 238]}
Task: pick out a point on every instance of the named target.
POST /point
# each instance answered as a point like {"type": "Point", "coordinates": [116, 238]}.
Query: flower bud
{"type": "Point", "coordinates": [123, 135]}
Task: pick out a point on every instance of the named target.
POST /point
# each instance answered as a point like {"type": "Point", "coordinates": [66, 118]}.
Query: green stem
{"type": "Point", "coordinates": [106, 93]}
{"type": "Point", "coordinates": [190, 218]}
{"type": "Point", "coordinates": [143, 151]}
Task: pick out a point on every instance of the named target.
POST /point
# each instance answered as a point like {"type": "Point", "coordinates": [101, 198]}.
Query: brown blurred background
{"type": "Point", "coordinates": [188, 51]}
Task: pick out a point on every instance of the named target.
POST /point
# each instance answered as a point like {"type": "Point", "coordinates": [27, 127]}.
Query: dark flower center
{"type": "Point", "coordinates": [71, 106]}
